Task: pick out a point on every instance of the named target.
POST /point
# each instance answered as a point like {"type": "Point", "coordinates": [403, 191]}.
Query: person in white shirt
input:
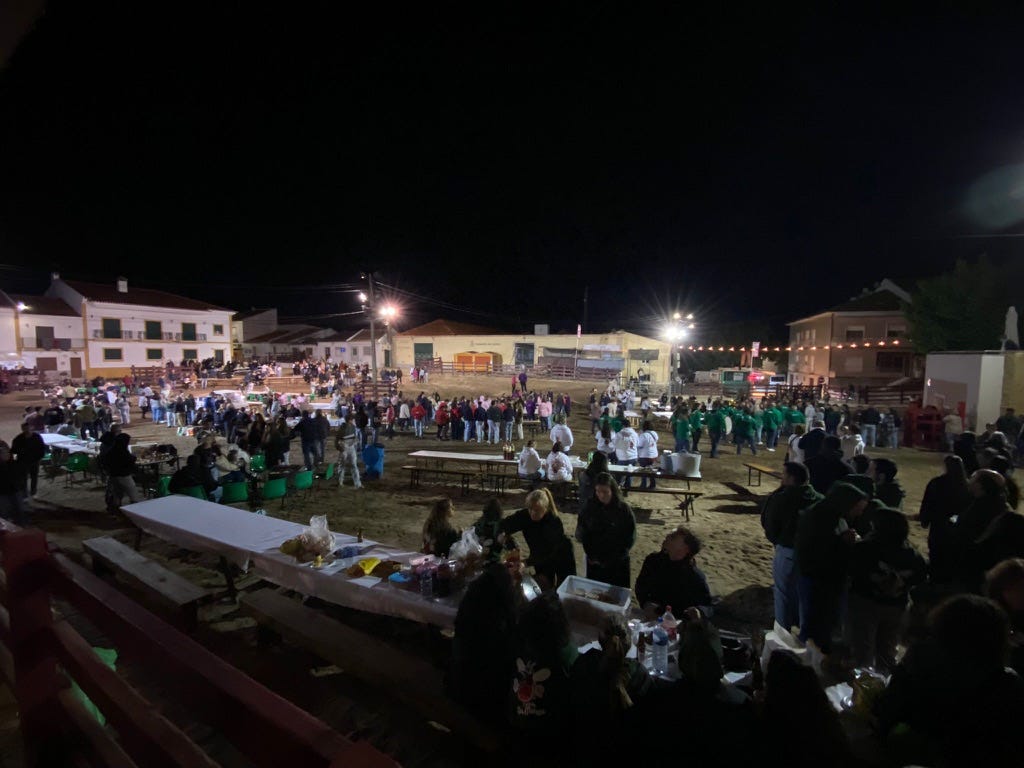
{"type": "Point", "coordinates": [626, 443]}
{"type": "Point", "coordinates": [606, 440]}
{"type": "Point", "coordinates": [558, 467]}
{"type": "Point", "coordinates": [809, 413]}
{"type": "Point", "coordinates": [953, 426]}
{"type": "Point", "coordinates": [560, 433]}
{"type": "Point", "coordinates": [851, 441]}
{"type": "Point", "coordinates": [530, 463]}
{"type": "Point", "coordinates": [647, 452]}
{"type": "Point", "coordinates": [796, 453]}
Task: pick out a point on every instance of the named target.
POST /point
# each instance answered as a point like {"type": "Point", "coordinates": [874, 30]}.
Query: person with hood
{"type": "Point", "coordinates": [779, 518]}
{"type": "Point", "coordinates": [887, 487]}
{"type": "Point", "coordinates": [607, 531]}
{"type": "Point", "coordinates": [813, 442]}
{"type": "Point", "coordinates": [828, 466]}
{"type": "Point", "coordinates": [945, 497]}
{"type": "Point", "coordinates": [824, 544]}
{"type": "Point", "coordinates": [988, 501]}
{"type": "Point", "coordinates": [119, 464]}
{"type": "Point", "coordinates": [884, 567]}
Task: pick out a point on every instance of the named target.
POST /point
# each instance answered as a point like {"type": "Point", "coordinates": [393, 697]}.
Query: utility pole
{"type": "Point", "coordinates": [373, 332]}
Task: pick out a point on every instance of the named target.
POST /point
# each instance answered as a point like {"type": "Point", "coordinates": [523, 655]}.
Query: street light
{"type": "Point", "coordinates": [387, 313]}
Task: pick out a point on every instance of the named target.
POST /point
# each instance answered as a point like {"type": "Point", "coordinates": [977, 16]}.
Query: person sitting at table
{"type": "Point", "coordinates": [598, 464]}
{"type": "Point", "coordinates": [482, 662]}
{"type": "Point", "coordinates": [231, 469]}
{"type": "Point", "coordinates": [530, 463]}
{"type": "Point", "coordinates": [558, 467]}
{"type": "Point", "coordinates": [438, 531]}
{"type": "Point", "coordinates": [551, 552]}
{"type": "Point", "coordinates": [607, 530]}
{"type": "Point", "coordinates": [671, 577]}
{"type": "Point", "coordinates": [605, 684]}
{"type": "Point", "coordinates": [192, 475]}
{"type": "Point", "coordinates": [488, 529]}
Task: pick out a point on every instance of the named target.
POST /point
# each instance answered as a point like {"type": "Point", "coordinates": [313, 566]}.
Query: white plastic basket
{"type": "Point", "coordinates": [576, 588]}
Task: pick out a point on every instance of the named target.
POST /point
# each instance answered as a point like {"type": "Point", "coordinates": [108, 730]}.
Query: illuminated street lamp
{"type": "Point", "coordinates": [387, 313]}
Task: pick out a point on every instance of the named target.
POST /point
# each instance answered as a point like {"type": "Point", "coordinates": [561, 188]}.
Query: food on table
{"type": "Point", "coordinates": [385, 568]}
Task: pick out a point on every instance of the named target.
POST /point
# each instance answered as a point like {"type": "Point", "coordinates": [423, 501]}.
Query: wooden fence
{"type": "Point", "coordinates": [37, 649]}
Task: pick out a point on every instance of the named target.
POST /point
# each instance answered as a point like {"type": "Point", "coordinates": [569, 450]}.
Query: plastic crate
{"type": "Point", "coordinates": [576, 588]}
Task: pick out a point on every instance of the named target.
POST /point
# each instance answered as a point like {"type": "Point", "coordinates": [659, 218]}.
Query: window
{"type": "Point", "coordinates": [154, 354]}
{"type": "Point", "coordinates": [367, 351]}
{"type": "Point", "coordinates": [190, 354]}
{"type": "Point", "coordinates": [855, 333]}
{"type": "Point", "coordinates": [891, 362]}
{"type": "Point", "coordinates": [111, 329]}
{"type": "Point", "coordinates": [853, 364]}
{"type": "Point", "coordinates": [188, 331]}
{"type": "Point", "coordinates": [895, 332]}
{"type": "Point", "coordinates": [355, 351]}
{"type": "Point", "coordinates": [218, 354]}
{"type": "Point", "coordinates": [154, 330]}
{"type": "Point", "coordinates": [218, 330]}
{"type": "Point", "coordinates": [113, 353]}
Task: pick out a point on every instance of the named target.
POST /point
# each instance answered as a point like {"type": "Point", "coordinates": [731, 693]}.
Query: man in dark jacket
{"type": "Point", "coordinates": [779, 517]}
{"type": "Point", "coordinates": [28, 449]}
{"type": "Point", "coordinates": [812, 443]}
{"type": "Point", "coordinates": [53, 417]}
{"type": "Point", "coordinates": [870, 418]}
{"type": "Point", "coordinates": [671, 577]}
{"type": "Point", "coordinates": [823, 547]}
{"type": "Point", "coordinates": [119, 464]}
{"type": "Point", "coordinates": [828, 466]}
{"type": "Point", "coordinates": [887, 488]}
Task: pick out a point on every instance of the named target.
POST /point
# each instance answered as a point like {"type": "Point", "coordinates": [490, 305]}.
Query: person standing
{"type": "Point", "coordinates": [345, 440]}
{"type": "Point", "coordinates": [28, 449]}
{"type": "Point", "coordinates": [716, 427]}
{"type": "Point", "coordinates": [647, 453]}
{"type": "Point", "coordinates": [870, 418]}
{"type": "Point", "coordinates": [696, 428]}
{"type": "Point", "coordinates": [551, 552]}
{"type": "Point", "coordinates": [607, 531]}
{"type": "Point", "coordinates": [680, 425]}
{"type": "Point", "coordinates": [743, 431]}
{"type": "Point", "coordinates": [945, 497]}
{"type": "Point", "coordinates": [560, 433]}
{"type": "Point", "coordinates": [12, 488]}
{"type": "Point", "coordinates": [779, 518]}
{"type": "Point", "coordinates": [626, 442]}
{"type": "Point", "coordinates": [119, 464]}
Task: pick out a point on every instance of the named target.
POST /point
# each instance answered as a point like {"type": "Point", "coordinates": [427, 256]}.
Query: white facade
{"type": "Point", "coordinates": [10, 355]}
{"type": "Point", "coordinates": [973, 378]}
{"type": "Point", "coordinates": [66, 354]}
{"type": "Point", "coordinates": [121, 335]}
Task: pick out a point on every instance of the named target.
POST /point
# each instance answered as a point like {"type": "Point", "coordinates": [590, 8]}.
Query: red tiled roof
{"type": "Point", "coordinates": [43, 305]}
{"type": "Point", "coordinates": [450, 328]}
{"type": "Point", "coordinates": [142, 297]}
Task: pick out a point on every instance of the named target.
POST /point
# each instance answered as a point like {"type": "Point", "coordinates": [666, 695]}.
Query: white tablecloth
{"type": "Point", "coordinates": [52, 438]}
{"type": "Point", "coordinates": [249, 540]}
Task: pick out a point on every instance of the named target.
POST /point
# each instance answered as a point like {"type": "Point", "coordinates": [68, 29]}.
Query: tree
{"type": "Point", "coordinates": [959, 310]}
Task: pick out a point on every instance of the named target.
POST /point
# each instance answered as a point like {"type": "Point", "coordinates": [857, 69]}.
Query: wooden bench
{"type": "Point", "coordinates": [686, 506]}
{"type": "Point", "coordinates": [466, 476]}
{"type": "Point", "coordinates": [112, 556]}
{"type": "Point", "coordinates": [761, 469]}
{"type": "Point", "coordinates": [366, 657]}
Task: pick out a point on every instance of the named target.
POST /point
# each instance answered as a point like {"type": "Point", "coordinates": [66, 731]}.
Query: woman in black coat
{"type": "Point", "coordinates": [607, 530]}
{"type": "Point", "coordinates": [945, 497]}
{"type": "Point", "coordinates": [551, 554]}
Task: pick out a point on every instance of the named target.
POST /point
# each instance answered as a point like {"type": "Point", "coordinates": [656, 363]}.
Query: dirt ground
{"type": "Point", "coordinates": [736, 556]}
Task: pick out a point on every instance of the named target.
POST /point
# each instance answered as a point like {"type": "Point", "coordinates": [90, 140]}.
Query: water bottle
{"type": "Point", "coordinates": [427, 584]}
{"type": "Point", "coordinates": [659, 651]}
{"type": "Point", "coordinates": [669, 622]}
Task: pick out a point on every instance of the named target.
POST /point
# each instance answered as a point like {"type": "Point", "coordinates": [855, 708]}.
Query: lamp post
{"type": "Point", "coordinates": [675, 331]}
{"type": "Point", "coordinates": [387, 313]}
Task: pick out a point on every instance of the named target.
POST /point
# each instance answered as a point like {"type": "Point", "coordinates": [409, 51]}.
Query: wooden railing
{"type": "Point", "coordinates": [35, 646]}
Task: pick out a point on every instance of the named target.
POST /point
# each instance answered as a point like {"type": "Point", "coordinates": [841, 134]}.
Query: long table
{"type": "Point", "coordinates": [252, 541]}
{"type": "Point", "coordinates": [488, 459]}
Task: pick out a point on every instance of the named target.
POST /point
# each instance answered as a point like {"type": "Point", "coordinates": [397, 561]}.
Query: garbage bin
{"type": "Point", "coordinates": [373, 459]}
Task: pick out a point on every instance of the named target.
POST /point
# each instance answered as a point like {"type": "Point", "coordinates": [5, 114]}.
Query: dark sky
{"type": "Point", "coordinates": [748, 168]}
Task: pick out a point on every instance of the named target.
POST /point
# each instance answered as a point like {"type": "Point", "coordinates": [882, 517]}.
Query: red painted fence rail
{"type": "Point", "coordinates": [34, 647]}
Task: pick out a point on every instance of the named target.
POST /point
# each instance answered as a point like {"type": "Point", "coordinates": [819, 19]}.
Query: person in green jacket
{"type": "Point", "coordinates": [743, 431]}
{"type": "Point", "coordinates": [771, 428]}
{"type": "Point", "coordinates": [758, 416]}
{"type": "Point", "coordinates": [696, 428]}
{"type": "Point", "coordinates": [680, 425]}
{"type": "Point", "coordinates": [716, 427]}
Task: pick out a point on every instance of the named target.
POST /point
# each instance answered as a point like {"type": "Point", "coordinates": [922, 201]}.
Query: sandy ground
{"type": "Point", "coordinates": [736, 557]}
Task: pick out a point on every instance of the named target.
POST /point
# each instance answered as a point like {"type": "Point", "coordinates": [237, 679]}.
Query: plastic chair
{"type": "Point", "coordinates": [303, 481]}
{"type": "Point", "coordinates": [195, 491]}
{"type": "Point", "coordinates": [163, 486]}
{"type": "Point", "coordinates": [258, 463]}
{"type": "Point", "coordinates": [232, 493]}
{"type": "Point", "coordinates": [325, 476]}
{"type": "Point", "coordinates": [77, 462]}
{"type": "Point", "coordinates": [276, 489]}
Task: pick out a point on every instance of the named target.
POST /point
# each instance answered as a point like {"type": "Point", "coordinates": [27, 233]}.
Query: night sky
{"type": "Point", "coordinates": [750, 169]}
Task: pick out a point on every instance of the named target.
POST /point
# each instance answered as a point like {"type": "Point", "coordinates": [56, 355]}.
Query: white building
{"type": "Point", "coordinates": [981, 384]}
{"type": "Point", "coordinates": [47, 334]}
{"type": "Point", "coordinates": [126, 326]}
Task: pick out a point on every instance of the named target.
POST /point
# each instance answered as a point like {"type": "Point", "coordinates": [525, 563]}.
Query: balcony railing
{"type": "Point", "coordinates": [50, 345]}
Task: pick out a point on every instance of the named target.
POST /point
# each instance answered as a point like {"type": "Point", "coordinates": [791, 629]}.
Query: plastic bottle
{"type": "Point", "coordinates": [669, 622]}
{"type": "Point", "coordinates": [659, 651]}
{"type": "Point", "coordinates": [427, 584]}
